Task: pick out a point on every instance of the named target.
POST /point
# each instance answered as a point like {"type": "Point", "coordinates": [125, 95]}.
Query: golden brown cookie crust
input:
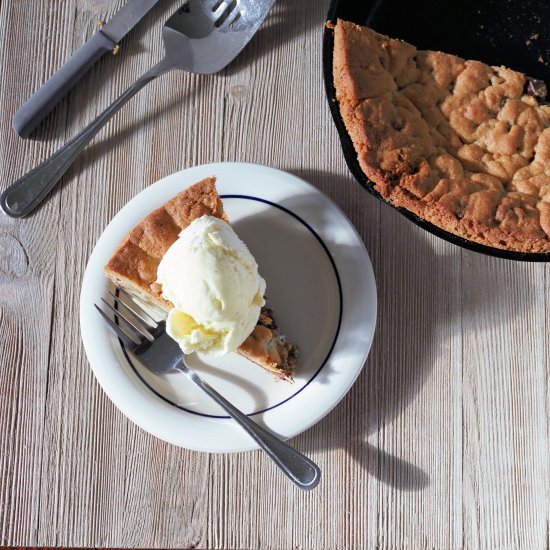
{"type": "Point", "coordinates": [458, 143]}
{"type": "Point", "coordinates": [135, 261]}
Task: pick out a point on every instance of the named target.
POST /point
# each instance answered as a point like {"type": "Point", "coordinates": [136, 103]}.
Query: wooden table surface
{"type": "Point", "coordinates": [443, 442]}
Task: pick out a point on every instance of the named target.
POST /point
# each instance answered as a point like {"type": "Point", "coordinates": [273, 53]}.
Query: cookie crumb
{"type": "Point", "coordinates": [537, 88]}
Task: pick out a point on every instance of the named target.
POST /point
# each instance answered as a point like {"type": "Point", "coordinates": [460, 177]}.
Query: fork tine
{"type": "Point", "coordinates": [128, 339]}
{"type": "Point", "coordinates": [139, 305]}
{"type": "Point", "coordinates": [150, 324]}
{"type": "Point", "coordinates": [141, 331]}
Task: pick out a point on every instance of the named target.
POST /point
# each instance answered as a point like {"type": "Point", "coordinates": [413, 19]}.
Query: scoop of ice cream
{"type": "Point", "coordinates": [212, 280]}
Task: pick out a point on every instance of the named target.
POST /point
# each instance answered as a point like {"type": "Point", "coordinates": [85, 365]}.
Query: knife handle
{"type": "Point", "coordinates": [23, 196]}
{"type": "Point", "coordinates": [35, 109]}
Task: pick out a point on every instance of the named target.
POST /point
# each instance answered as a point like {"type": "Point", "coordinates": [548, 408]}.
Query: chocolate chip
{"type": "Point", "coordinates": [536, 88]}
{"type": "Point", "coordinates": [397, 125]}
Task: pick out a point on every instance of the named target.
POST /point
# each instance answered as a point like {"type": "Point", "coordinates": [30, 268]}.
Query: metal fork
{"type": "Point", "coordinates": [202, 37]}
{"type": "Point", "coordinates": [146, 338]}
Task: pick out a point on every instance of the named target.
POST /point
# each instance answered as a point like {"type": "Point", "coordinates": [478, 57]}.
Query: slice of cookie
{"type": "Point", "coordinates": [133, 267]}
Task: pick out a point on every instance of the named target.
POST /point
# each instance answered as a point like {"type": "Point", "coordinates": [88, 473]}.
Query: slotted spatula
{"type": "Point", "coordinates": [201, 37]}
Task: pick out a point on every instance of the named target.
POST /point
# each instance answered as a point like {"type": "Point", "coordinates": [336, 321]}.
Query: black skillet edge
{"type": "Point", "coordinates": [345, 10]}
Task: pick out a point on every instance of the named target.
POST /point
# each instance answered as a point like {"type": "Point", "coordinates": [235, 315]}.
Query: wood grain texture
{"type": "Point", "coordinates": [442, 443]}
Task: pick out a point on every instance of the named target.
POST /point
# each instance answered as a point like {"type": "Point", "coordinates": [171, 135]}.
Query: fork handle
{"type": "Point", "coordinates": [23, 196]}
{"type": "Point", "coordinates": [299, 469]}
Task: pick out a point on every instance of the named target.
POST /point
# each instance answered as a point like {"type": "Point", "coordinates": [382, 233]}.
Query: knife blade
{"type": "Point", "coordinates": [34, 110]}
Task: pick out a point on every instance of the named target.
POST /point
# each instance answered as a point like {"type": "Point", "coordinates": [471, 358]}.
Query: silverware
{"type": "Point", "coordinates": [146, 337]}
{"type": "Point", "coordinates": [35, 109]}
{"type": "Point", "coordinates": [202, 37]}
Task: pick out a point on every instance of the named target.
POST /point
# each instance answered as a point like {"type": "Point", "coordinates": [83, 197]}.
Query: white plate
{"type": "Point", "coordinates": [320, 285]}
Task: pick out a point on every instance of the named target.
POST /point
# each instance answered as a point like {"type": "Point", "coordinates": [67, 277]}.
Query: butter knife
{"type": "Point", "coordinates": [35, 109]}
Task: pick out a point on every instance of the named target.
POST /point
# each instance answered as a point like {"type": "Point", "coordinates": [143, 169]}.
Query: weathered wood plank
{"type": "Point", "coordinates": [27, 278]}
{"type": "Point", "coordinates": [505, 411]}
{"type": "Point", "coordinates": [442, 442]}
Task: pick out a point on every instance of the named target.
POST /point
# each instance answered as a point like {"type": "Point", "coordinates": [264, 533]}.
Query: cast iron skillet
{"type": "Point", "coordinates": [498, 32]}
